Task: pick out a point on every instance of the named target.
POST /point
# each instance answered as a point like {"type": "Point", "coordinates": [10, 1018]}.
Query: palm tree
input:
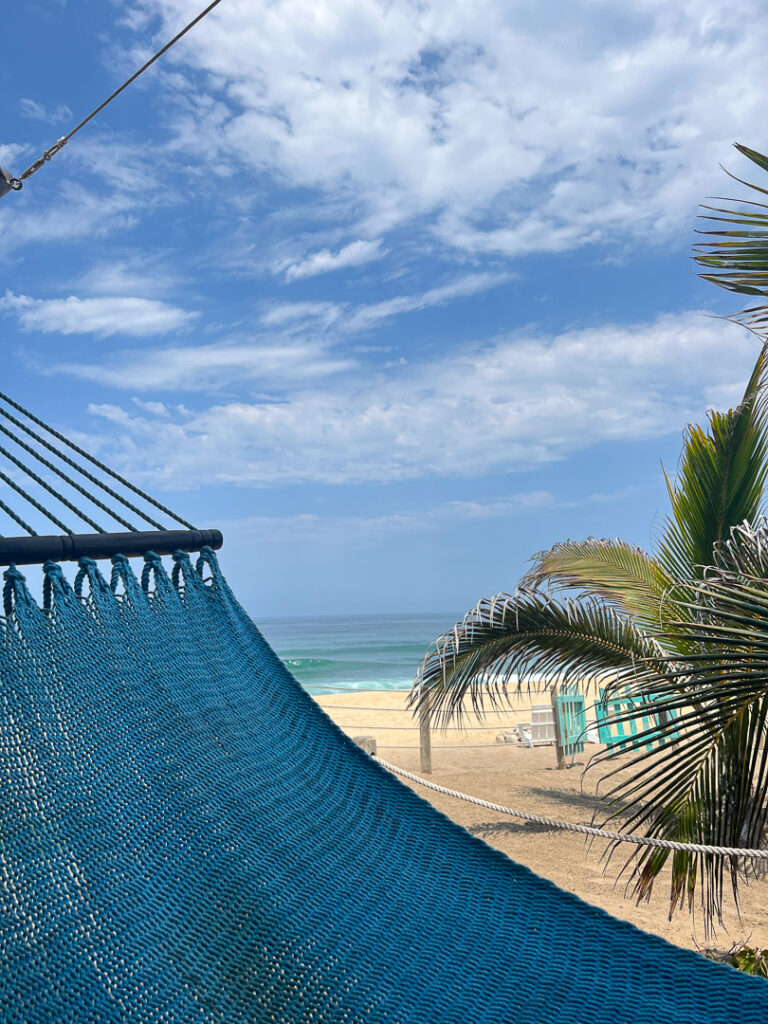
{"type": "Point", "coordinates": [737, 258]}
{"type": "Point", "coordinates": [683, 629]}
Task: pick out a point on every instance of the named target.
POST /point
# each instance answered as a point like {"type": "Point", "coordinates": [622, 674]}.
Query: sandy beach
{"type": "Point", "coordinates": [470, 760]}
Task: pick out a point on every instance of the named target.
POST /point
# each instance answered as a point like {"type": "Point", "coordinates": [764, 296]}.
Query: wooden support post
{"type": "Point", "coordinates": [559, 749]}
{"type": "Point", "coordinates": [425, 739]}
{"type": "Point", "coordinates": [368, 743]}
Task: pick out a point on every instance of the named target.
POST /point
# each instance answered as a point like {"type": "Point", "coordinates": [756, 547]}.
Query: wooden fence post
{"type": "Point", "coordinates": [559, 749]}
{"type": "Point", "coordinates": [367, 743]}
{"type": "Point", "coordinates": [425, 738]}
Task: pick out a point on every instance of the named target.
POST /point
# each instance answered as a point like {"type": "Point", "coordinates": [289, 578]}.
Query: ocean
{"type": "Point", "coordinates": [330, 653]}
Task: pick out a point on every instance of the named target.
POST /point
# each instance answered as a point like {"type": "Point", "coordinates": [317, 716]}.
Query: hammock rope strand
{"type": "Point", "coordinates": [95, 462]}
{"type": "Point", "coordinates": [59, 472]}
{"type": "Point", "coordinates": [81, 470]}
{"type": "Point", "coordinates": [35, 504]}
{"type": "Point", "coordinates": [51, 490]}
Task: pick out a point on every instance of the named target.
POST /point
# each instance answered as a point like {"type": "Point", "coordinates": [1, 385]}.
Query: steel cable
{"type": "Point", "coordinates": [15, 183]}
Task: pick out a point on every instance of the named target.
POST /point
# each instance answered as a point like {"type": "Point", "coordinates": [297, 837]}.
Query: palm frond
{"type": "Point", "coordinates": [720, 483]}
{"type": "Point", "coordinates": [620, 573]}
{"type": "Point", "coordinates": [737, 259]}
{"type": "Point", "coordinates": [508, 640]}
{"type": "Point", "coordinates": [709, 782]}
{"type": "Point", "coordinates": [744, 551]}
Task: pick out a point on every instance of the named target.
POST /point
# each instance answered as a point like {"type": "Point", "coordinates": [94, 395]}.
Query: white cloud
{"type": "Point", "coordinates": [51, 115]}
{"type": "Point", "coordinates": [300, 350]}
{"type": "Point", "coordinates": [508, 128]}
{"type": "Point", "coordinates": [354, 319]}
{"type": "Point", "coordinates": [154, 408]}
{"type": "Point", "coordinates": [494, 407]}
{"type": "Point", "coordinates": [502, 507]}
{"type": "Point", "coordinates": [494, 128]}
{"type": "Point", "coordinates": [353, 255]}
{"type": "Point", "coordinates": [366, 317]}
{"type": "Point", "coordinates": [207, 367]}
{"type": "Point", "coordinates": [335, 529]}
{"type": "Point", "coordinates": [10, 153]}
{"type": "Point", "coordinates": [311, 526]}
{"type": "Point", "coordinates": [78, 214]}
{"type": "Point", "coordinates": [133, 275]}
{"type": "Point", "coordinates": [125, 315]}
{"type": "Point", "coordinates": [100, 185]}
{"type": "Point", "coordinates": [325, 313]}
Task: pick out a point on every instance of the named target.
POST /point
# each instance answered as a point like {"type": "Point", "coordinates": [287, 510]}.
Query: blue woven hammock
{"type": "Point", "coordinates": [185, 837]}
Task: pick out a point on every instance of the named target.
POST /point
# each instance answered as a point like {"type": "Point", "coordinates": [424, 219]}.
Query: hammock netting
{"type": "Point", "coordinates": [186, 837]}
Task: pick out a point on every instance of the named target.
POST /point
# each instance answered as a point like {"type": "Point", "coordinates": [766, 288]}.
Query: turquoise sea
{"type": "Point", "coordinates": [355, 652]}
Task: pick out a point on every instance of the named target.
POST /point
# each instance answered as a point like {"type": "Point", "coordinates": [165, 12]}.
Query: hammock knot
{"type": "Point", "coordinates": [208, 557]}
{"type": "Point", "coordinates": [121, 570]}
{"type": "Point", "coordinates": [152, 564]}
{"type": "Point", "coordinates": [54, 581]}
{"type": "Point", "coordinates": [89, 570]}
{"type": "Point", "coordinates": [13, 573]}
{"type": "Point", "coordinates": [154, 568]}
{"type": "Point", "coordinates": [15, 589]}
{"type": "Point", "coordinates": [122, 573]}
{"type": "Point", "coordinates": [182, 568]}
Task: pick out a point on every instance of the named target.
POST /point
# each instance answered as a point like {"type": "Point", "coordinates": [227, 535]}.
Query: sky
{"type": "Point", "coordinates": [395, 294]}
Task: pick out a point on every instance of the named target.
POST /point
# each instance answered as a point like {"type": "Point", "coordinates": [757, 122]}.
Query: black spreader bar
{"type": "Point", "coordinates": [36, 550]}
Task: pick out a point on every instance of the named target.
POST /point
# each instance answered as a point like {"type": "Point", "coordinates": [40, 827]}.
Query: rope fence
{"type": "Point", "coordinates": [426, 725]}
{"type": "Point", "coordinates": [438, 746]}
{"type": "Point", "coordinates": [408, 711]}
{"type": "Point", "coordinates": [569, 826]}
{"type": "Point", "coordinates": [409, 728]}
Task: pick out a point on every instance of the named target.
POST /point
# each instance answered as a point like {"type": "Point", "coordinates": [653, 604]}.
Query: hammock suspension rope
{"type": "Point", "coordinates": [71, 544]}
{"type": "Point", "coordinates": [94, 461]}
{"type": "Point", "coordinates": [82, 471]}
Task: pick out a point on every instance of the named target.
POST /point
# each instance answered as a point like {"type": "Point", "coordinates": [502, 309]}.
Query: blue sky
{"type": "Point", "coordinates": [396, 294]}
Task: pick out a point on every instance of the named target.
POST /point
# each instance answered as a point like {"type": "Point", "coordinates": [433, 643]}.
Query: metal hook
{"type": "Point", "coordinates": [8, 183]}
